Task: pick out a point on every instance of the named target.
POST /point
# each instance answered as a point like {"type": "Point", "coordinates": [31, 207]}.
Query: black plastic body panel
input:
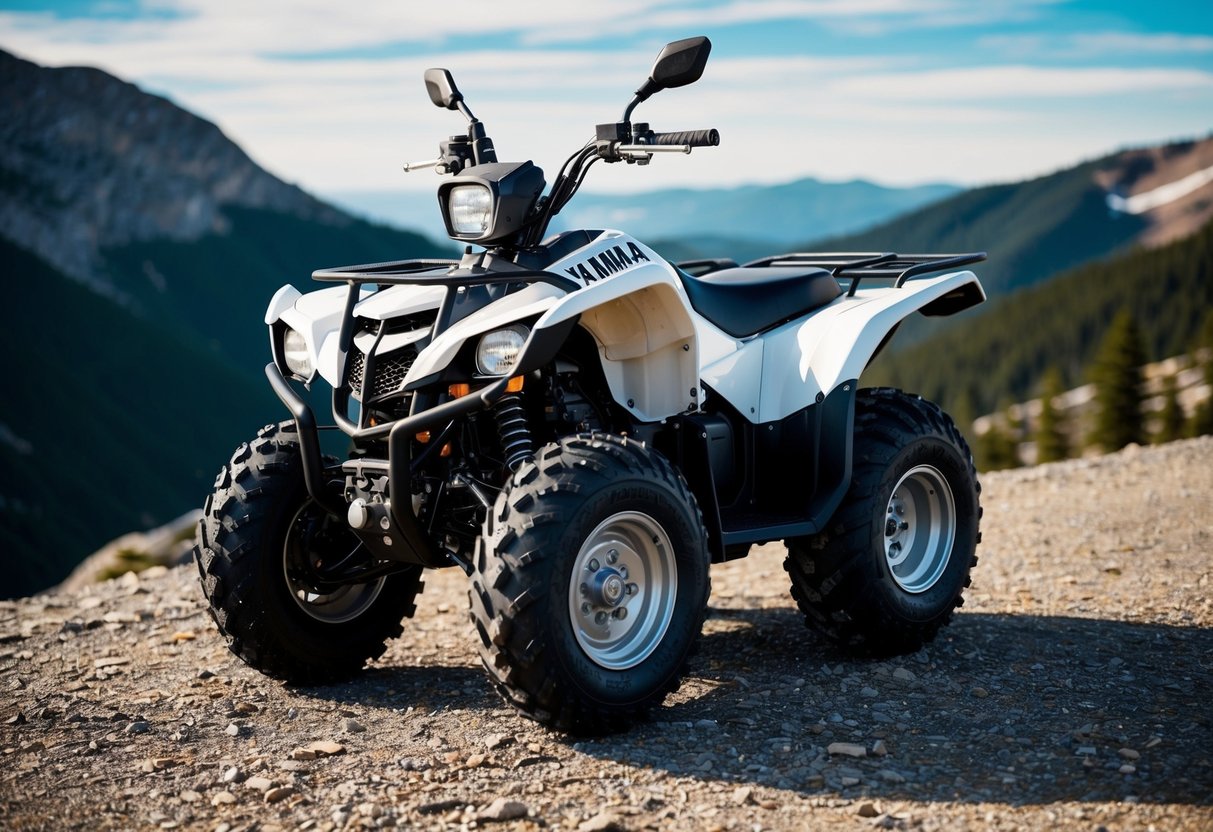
{"type": "Point", "coordinates": [774, 480]}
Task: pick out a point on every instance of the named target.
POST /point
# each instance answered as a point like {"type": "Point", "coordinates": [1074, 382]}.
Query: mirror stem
{"type": "Point", "coordinates": [627, 113]}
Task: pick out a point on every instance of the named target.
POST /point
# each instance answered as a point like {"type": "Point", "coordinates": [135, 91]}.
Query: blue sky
{"type": "Point", "coordinates": [970, 91]}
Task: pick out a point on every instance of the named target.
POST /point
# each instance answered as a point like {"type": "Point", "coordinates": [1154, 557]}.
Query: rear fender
{"type": "Point", "coordinates": [833, 345]}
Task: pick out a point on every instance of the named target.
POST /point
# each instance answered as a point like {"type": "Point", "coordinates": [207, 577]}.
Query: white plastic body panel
{"type": "Point", "coordinates": [529, 302]}
{"type": "Point", "coordinates": [654, 348]}
{"type": "Point", "coordinates": [395, 301]}
{"type": "Point", "coordinates": [317, 316]}
{"type": "Point", "coordinates": [834, 344]}
{"type": "Point", "coordinates": [641, 319]}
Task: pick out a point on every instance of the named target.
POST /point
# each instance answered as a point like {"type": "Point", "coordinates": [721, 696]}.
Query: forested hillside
{"type": "Point", "coordinates": [138, 354]}
{"type": "Point", "coordinates": [112, 422]}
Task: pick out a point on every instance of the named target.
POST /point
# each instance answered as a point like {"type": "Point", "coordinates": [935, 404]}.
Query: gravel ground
{"type": "Point", "coordinates": [1073, 691]}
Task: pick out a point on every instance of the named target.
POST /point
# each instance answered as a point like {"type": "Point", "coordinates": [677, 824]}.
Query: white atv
{"type": "Point", "coordinates": [584, 428]}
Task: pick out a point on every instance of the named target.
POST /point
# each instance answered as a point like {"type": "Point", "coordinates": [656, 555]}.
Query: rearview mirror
{"type": "Point", "coordinates": [441, 87]}
{"type": "Point", "coordinates": [680, 63]}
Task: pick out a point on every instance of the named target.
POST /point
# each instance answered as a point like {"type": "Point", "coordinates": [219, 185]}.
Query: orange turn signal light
{"type": "Point", "coordinates": [460, 390]}
{"type": "Point", "coordinates": [514, 385]}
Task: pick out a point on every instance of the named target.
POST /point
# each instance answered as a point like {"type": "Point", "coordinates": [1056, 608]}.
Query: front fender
{"type": "Point", "coordinates": [646, 339]}
{"type": "Point", "coordinates": [317, 316]}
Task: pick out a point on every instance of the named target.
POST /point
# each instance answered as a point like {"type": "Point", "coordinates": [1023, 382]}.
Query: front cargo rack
{"type": "Point", "coordinates": [449, 273]}
{"type": "Point", "coordinates": [857, 266]}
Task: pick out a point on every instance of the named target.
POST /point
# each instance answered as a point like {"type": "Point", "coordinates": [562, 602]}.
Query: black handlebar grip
{"type": "Point", "coordinates": [694, 138]}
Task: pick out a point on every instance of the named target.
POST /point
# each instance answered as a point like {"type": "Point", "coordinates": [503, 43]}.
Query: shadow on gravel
{"type": "Point", "coordinates": [1010, 708]}
{"type": "Point", "coordinates": [1018, 709]}
{"type": "Point", "coordinates": [425, 688]}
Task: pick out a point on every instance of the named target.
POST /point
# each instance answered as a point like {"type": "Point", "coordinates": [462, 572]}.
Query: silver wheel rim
{"type": "Point", "coordinates": [623, 590]}
{"type": "Point", "coordinates": [343, 604]}
{"type": "Point", "coordinates": [920, 529]}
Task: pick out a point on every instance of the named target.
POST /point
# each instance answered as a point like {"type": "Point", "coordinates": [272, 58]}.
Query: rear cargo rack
{"type": "Point", "coordinates": [858, 266]}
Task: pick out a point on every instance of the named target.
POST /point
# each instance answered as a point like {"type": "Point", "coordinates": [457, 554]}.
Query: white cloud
{"type": "Point", "coordinates": [348, 122]}
{"type": "Point", "coordinates": [1023, 82]}
{"type": "Point", "coordinates": [1098, 44]}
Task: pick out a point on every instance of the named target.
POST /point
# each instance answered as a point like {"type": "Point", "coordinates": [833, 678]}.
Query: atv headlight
{"type": "Point", "coordinates": [295, 354]}
{"type": "Point", "coordinates": [471, 208]}
{"type": "Point", "coordinates": [498, 351]}
{"type": "Point", "coordinates": [491, 202]}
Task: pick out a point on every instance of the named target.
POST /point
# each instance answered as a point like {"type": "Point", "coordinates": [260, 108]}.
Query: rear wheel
{"type": "Point", "coordinates": [893, 562]}
{"type": "Point", "coordinates": [590, 584]}
{"type": "Point", "coordinates": [260, 546]}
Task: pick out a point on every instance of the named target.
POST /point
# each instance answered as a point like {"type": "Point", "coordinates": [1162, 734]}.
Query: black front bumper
{"type": "Point", "coordinates": [408, 543]}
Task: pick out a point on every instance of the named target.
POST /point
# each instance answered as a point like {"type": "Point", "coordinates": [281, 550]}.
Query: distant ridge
{"type": "Point", "coordinates": [702, 222]}
{"type": "Point", "coordinates": [1036, 229]}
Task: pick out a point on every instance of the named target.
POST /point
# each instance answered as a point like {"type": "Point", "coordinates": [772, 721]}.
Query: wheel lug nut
{"type": "Point", "coordinates": [585, 589]}
{"type": "Point", "coordinates": [612, 556]}
{"type": "Point", "coordinates": [600, 618]}
{"type": "Point", "coordinates": [623, 571]}
{"type": "Point", "coordinates": [593, 565]}
{"type": "Point", "coordinates": [585, 609]}
{"type": "Point", "coordinates": [621, 613]}
{"type": "Point", "coordinates": [904, 525]}
{"type": "Point", "coordinates": [632, 589]}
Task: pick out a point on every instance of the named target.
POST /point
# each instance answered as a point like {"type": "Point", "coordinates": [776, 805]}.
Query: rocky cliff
{"type": "Point", "coordinates": [89, 161]}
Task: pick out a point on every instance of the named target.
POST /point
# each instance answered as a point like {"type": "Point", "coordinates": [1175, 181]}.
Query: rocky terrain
{"type": "Point", "coordinates": [1072, 691]}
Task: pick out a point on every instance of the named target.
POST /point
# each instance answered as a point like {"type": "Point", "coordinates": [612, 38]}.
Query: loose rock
{"type": "Point", "coordinates": [602, 822]}
{"type": "Point", "coordinates": [503, 809]}
{"type": "Point", "coordinates": [848, 749]}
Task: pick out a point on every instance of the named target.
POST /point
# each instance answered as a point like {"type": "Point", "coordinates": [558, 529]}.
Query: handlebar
{"type": "Point", "coordinates": [694, 138]}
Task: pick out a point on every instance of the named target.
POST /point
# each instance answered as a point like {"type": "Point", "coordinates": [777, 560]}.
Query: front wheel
{"type": "Point", "coordinates": [886, 573]}
{"type": "Point", "coordinates": [590, 584]}
{"type": "Point", "coordinates": [260, 545]}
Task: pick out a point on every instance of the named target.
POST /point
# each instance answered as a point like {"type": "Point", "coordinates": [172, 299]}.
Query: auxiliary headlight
{"type": "Point", "coordinates": [295, 354]}
{"type": "Point", "coordinates": [498, 351]}
{"type": "Point", "coordinates": [471, 208]}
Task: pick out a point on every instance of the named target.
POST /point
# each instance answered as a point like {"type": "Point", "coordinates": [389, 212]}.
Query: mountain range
{"type": "Point", "coordinates": [1036, 229]}
{"type": "Point", "coordinates": [142, 245]}
{"type": "Point", "coordinates": [744, 222]}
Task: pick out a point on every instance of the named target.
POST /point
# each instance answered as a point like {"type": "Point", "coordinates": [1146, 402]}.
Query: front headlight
{"type": "Point", "coordinates": [295, 354]}
{"type": "Point", "coordinates": [471, 208]}
{"type": "Point", "coordinates": [498, 351]}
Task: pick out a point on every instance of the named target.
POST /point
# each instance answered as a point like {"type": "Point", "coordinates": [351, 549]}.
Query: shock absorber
{"type": "Point", "coordinates": [515, 434]}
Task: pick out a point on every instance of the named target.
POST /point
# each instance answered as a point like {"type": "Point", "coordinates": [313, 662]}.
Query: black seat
{"type": "Point", "coordinates": [745, 301]}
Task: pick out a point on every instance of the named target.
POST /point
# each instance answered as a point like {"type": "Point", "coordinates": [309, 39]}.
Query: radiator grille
{"type": "Point", "coordinates": [390, 371]}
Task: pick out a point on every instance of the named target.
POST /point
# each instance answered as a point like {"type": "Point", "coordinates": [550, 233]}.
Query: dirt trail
{"type": "Point", "coordinates": [1072, 691]}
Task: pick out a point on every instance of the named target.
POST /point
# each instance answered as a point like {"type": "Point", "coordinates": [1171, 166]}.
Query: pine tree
{"type": "Point", "coordinates": [1171, 421]}
{"type": "Point", "coordinates": [1201, 423]}
{"type": "Point", "coordinates": [1051, 442]}
{"type": "Point", "coordinates": [962, 413]}
{"type": "Point", "coordinates": [1117, 377]}
{"type": "Point", "coordinates": [998, 448]}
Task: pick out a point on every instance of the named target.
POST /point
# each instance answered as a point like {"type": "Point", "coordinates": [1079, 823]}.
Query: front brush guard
{"type": "Point", "coordinates": [409, 544]}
